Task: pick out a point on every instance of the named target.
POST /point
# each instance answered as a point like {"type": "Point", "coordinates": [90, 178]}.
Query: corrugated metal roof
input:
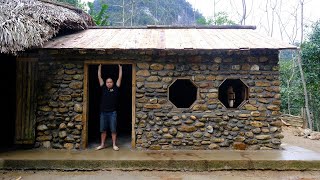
{"type": "Point", "coordinates": [170, 38]}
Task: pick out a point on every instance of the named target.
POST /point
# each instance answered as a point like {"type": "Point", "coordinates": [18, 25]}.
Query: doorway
{"type": "Point", "coordinates": [124, 110]}
{"type": "Point", "coordinates": [8, 97]}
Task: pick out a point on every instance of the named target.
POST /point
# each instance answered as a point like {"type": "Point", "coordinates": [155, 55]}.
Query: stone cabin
{"type": "Point", "coordinates": [183, 88]}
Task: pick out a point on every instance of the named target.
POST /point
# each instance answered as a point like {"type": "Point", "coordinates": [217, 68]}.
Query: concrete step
{"type": "Point", "coordinates": [291, 158]}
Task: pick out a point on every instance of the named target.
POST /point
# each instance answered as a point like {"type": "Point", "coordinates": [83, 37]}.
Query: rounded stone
{"type": "Point", "coordinates": [62, 126]}
{"type": "Point", "coordinates": [144, 73]}
{"type": "Point", "coordinates": [197, 134]}
{"type": "Point", "coordinates": [68, 146]}
{"type": "Point", "coordinates": [156, 66]}
{"type": "Point", "coordinates": [210, 129]}
{"type": "Point", "coordinates": [70, 125]}
{"type": "Point", "coordinates": [213, 146]}
{"type": "Point", "coordinates": [69, 66]}
{"type": "Point", "coordinates": [65, 97]}
{"type": "Point", "coordinates": [69, 139]}
{"type": "Point", "coordinates": [199, 124]}
{"type": "Point", "coordinates": [239, 146]}
{"type": "Point", "coordinates": [76, 85]}
{"type": "Point", "coordinates": [42, 127]}
{"type": "Point", "coordinates": [45, 108]}
{"type": "Point", "coordinates": [78, 117]}
{"type": "Point", "coordinates": [143, 65]}
{"type": "Point", "coordinates": [169, 66]}
{"type": "Point", "coordinates": [263, 137]}
{"type": "Point", "coordinates": [46, 144]}
{"type": "Point", "coordinates": [179, 135]}
{"type": "Point", "coordinates": [44, 138]}
{"type": "Point", "coordinates": [153, 78]}
{"type": "Point", "coordinates": [165, 130]}
{"type": "Point", "coordinates": [255, 68]}
{"type": "Point", "coordinates": [78, 108]}
{"type": "Point", "coordinates": [62, 134]}
{"type": "Point", "coordinates": [186, 128]}
{"type": "Point", "coordinates": [78, 126]}
{"type": "Point", "coordinates": [173, 131]}
{"type": "Point", "coordinates": [239, 139]}
{"type": "Point", "coordinates": [167, 136]}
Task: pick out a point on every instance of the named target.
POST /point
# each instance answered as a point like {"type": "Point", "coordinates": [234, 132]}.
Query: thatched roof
{"type": "Point", "coordinates": [29, 23]}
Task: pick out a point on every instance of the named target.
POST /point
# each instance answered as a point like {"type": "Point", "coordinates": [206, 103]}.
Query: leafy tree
{"type": "Point", "coordinates": [310, 51]}
{"type": "Point", "coordinates": [220, 18]}
{"type": "Point", "coordinates": [100, 17]}
{"type": "Point", "coordinates": [291, 88]}
{"type": "Point", "coordinates": [291, 83]}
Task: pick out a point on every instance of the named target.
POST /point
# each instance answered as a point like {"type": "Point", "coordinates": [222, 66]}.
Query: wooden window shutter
{"type": "Point", "coordinates": [26, 78]}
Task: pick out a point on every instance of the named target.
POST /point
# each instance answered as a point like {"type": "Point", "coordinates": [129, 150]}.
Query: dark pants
{"type": "Point", "coordinates": [108, 120]}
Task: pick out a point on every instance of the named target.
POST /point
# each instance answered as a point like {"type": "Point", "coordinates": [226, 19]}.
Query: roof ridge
{"type": "Point", "coordinates": [176, 27]}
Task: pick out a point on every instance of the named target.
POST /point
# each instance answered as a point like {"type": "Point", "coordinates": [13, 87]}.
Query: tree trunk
{"type": "Point", "coordinates": [305, 92]}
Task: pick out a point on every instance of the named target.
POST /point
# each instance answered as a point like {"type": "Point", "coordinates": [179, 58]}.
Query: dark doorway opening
{"type": "Point", "coordinates": [182, 93]}
{"type": "Point", "coordinates": [8, 97]}
{"type": "Point", "coordinates": [124, 118]}
{"type": "Point", "coordinates": [233, 89]}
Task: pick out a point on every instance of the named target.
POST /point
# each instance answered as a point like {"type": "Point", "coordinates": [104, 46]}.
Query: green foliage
{"type": "Point", "coordinates": [221, 18]}
{"type": "Point", "coordinates": [311, 66]}
{"type": "Point", "coordinates": [99, 17]}
{"type": "Point", "coordinates": [204, 21]}
{"type": "Point", "coordinates": [291, 86]}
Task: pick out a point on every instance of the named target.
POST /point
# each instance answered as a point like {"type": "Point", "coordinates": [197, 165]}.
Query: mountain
{"type": "Point", "coordinates": [149, 12]}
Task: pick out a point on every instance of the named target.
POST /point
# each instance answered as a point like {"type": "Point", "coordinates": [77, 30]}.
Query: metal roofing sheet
{"type": "Point", "coordinates": [171, 38]}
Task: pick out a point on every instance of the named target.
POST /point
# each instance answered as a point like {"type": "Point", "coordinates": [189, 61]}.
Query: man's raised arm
{"type": "Point", "coordinates": [99, 75]}
{"type": "Point", "coordinates": [120, 76]}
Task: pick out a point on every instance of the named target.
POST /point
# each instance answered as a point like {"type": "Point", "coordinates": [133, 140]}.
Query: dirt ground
{"type": "Point", "coordinates": [306, 143]}
{"type": "Point", "coordinates": [162, 175]}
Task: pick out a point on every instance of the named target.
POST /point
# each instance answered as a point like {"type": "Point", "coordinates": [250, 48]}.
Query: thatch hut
{"type": "Point", "coordinates": [195, 88]}
{"type": "Point", "coordinates": [28, 24]}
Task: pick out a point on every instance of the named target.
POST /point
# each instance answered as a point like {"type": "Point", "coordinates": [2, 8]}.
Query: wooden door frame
{"type": "Point", "coordinates": [85, 115]}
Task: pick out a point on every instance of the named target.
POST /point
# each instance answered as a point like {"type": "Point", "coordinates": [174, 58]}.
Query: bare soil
{"type": "Point", "coordinates": [299, 141]}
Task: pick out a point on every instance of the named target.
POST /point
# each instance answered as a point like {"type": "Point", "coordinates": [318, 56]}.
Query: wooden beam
{"type": "Point", "coordinates": [85, 113]}
{"type": "Point", "coordinates": [133, 135]}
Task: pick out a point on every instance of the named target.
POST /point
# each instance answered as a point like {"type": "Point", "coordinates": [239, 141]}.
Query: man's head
{"type": "Point", "coordinates": [109, 83]}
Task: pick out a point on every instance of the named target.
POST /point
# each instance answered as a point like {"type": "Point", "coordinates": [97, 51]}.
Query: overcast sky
{"type": "Point", "coordinates": [258, 17]}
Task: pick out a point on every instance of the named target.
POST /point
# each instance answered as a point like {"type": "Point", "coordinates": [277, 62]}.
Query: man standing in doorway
{"type": "Point", "coordinates": [108, 107]}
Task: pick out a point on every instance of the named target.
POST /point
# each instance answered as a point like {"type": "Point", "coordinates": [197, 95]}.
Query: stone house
{"type": "Point", "coordinates": [196, 88]}
{"type": "Point", "coordinates": [183, 88]}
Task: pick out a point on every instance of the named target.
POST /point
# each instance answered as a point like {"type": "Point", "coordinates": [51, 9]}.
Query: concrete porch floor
{"type": "Point", "coordinates": [291, 158]}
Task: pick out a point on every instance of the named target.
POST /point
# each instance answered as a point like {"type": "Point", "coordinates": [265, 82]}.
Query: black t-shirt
{"type": "Point", "coordinates": [109, 98]}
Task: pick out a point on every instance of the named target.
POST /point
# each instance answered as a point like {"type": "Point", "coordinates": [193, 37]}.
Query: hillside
{"type": "Point", "coordinates": [149, 12]}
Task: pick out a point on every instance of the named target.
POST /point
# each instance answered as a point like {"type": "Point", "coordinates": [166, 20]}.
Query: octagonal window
{"type": "Point", "coordinates": [183, 93]}
{"type": "Point", "coordinates": [233, 93]}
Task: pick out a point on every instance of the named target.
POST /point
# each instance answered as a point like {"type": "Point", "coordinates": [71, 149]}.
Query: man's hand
{"type": "Point", "coordinates": [120, 66]}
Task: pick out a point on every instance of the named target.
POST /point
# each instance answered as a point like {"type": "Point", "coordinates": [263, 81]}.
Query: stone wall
{"type": "Point", "coordinates": [208, 124]}
{"type": "Point", "coordinates": [158, 124]}
{"type": "Point", "coordinates": [59, 111]}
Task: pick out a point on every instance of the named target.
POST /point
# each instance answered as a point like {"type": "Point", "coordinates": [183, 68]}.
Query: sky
{"type": "Point", "coordinates": [257, 15]}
